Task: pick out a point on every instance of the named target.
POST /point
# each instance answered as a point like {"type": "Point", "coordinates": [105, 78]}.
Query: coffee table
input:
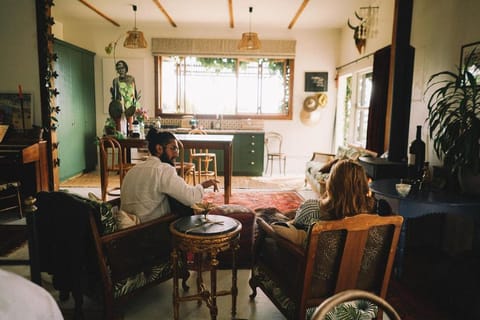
{"type": "Point", "coordinates": [205, 237]}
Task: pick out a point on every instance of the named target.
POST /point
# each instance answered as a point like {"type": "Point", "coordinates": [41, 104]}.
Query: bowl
{"type": "Point", "coordinates": [403, 189]}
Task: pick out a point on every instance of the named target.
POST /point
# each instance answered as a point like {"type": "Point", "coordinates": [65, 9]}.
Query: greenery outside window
{"type": "Point", "coordinates": [231, 87]}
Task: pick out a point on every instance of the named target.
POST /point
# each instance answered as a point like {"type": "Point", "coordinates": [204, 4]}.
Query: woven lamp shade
{"type": "Point", "coordinates": [249, 41]}
{"type": "Point", "coordinates": [135, 40]}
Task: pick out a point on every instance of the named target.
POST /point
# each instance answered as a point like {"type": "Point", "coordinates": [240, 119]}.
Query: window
{"type": "Point", "coordinates": [352, 109]}
{"type": "Point", "coordinates": [232, 87]}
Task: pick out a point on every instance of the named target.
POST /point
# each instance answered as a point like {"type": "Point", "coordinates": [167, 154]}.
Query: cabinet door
{"type": "Point", "coordinates": [76, 119]}
{"type": "Point", "coordinates": [248, 154]}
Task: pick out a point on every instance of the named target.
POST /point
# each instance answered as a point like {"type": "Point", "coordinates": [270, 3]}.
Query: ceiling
{"type": "Point", "coordinates": [275, 14]}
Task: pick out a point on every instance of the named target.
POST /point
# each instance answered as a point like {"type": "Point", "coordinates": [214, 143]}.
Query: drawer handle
{"type": "Point", "coordinates": [253, 143]}
{"type": "Point", "coordinates": [252, 163]}
{"type": "Point", "coordinates": [252, 151]}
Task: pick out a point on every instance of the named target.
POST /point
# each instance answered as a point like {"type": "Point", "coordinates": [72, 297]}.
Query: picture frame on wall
{"type": "Point", "coordinates": [470, 54]}
{"type": "Point", "coordinates": [316, 81]}
{"type": "Point", "coordinates": [15, 111]}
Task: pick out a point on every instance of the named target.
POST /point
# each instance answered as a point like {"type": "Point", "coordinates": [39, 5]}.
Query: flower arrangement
{"type": "Point", "coordinates": [141, 114]}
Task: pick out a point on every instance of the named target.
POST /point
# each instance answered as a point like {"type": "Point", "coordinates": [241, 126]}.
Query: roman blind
{"type": "Point", "coordinates": [221, 47]}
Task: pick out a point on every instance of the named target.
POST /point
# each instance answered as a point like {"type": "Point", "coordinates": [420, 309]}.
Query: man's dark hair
{"type": "Point", "coordinates": [162, 138]}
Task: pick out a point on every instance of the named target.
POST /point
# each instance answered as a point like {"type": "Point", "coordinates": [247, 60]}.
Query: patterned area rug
{"type": "Point", "coordinates": [282, 200]}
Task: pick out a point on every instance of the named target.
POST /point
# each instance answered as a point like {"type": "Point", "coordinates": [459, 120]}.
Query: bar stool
{"type": "Point", "coordinates": [202, 158]}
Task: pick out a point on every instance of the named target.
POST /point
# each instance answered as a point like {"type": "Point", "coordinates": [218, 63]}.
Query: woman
{"type": "Point", "coordinates": [123, 87]}
{"type": "Point", "coordinates": [347, 194]}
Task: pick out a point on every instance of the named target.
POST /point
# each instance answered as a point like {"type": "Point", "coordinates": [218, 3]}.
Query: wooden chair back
{"type": "Point", "coordinates": [112, 159]}
{"type": "Point", "coordinates": [353, 253]}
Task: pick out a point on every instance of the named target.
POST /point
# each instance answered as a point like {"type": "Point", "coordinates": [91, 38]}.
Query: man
{"type": "Point", "coordinates": [146, 187]}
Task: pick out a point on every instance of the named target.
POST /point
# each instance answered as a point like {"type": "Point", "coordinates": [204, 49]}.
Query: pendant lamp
{"type": "Point", "coordinates": [250, 39]}
{"type": "Point", "coordinates": [135, 38]}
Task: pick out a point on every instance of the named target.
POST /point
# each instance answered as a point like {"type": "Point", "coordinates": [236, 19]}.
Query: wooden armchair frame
{"type": "Point", "coordinates": [353, 253]}
{"type": "Point", "coordinates": [127, 252]}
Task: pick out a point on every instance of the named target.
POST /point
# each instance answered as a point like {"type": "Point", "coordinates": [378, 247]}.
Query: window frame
{"type": "Point", "coordinates": [158, 102]}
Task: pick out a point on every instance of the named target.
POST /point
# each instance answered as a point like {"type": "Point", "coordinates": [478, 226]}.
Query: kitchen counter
{"type": "Point", "coordinates": [216, 131]}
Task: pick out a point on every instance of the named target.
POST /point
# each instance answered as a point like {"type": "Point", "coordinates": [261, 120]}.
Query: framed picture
{"type": "Point", "coordinates": [470, 58]}
{"type": "Point", "coordinates": [316, 81]}
{"type": "Point", "coordinates": [14, 111]}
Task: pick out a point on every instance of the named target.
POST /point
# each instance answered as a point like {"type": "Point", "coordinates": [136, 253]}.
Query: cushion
{"type": "Point", "coordinates": [124, 219]}
{"type": "Point", "coordinates": [107, 218]}
{"type": "Point", "coordinates": [328, 166]}
{"type": "Point", "coordinates": [271, 215]}
{"type": "Point", "coordinates": [228, 209]}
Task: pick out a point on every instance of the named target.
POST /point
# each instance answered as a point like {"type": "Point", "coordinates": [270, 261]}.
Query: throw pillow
{"type": "Point", "coordinates": [106, 215]}
{"type": "Point", "coordinates": [124, 219]}
{"type": "Point", "coordinates": [328, 166]}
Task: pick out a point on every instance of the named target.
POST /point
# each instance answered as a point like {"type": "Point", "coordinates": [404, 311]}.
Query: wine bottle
{"type": "Point", "coordinates": [416, 156]}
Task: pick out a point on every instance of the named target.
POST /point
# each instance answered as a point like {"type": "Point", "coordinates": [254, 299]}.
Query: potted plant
{"type": "Point", "coordinates": [454, 121]}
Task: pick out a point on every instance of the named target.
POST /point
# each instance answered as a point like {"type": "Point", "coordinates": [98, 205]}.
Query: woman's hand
{"type": "Point", "coordinates": [209, 183]}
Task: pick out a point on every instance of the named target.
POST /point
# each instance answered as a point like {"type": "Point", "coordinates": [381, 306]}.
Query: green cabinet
{"type": "Point", "coordinates": [248, 151]}
{"type": "Point", "coordinates": [76, 119]}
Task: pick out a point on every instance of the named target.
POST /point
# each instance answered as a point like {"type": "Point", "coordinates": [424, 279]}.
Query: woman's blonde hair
{"type": "Point", "coordinates": [347, 192]}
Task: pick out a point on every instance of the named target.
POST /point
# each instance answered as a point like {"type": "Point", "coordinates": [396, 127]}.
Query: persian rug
{"type": "Point", "coordinates": [284, 201]}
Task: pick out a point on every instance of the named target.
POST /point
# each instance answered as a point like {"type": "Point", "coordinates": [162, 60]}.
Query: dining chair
{"type": "Point", "coordinates": [10, 197]}
{"type": "Point", "coordinates": [185, 169]}
{"type": "Point", "coordinates": [112, 159]}
{"type": "Point", "coordinates": [202, 158]}
{"type": "Point", "coordinates": [273, 144]}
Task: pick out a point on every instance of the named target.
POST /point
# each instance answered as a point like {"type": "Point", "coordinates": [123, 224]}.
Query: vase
{"type": "Point", "coordinates": [118, 124]}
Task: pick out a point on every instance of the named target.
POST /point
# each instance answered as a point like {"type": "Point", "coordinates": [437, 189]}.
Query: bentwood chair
{"type": "Point", "coordinates": [112, 159]}
{"type": "Point", "coordinates": [202, 158]}
{"type": "Point", "coordinates": [328, 306]}
{"type": "Point", "coordinates": [273, 144]}
{"type": "Point", "coordinates": [352, 253]}
{"type": "Point", "coordinates": [185, 169]}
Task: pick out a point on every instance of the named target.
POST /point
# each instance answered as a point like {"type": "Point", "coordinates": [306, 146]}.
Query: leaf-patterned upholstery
{"type": "Point", "coordinates": [352, 253]}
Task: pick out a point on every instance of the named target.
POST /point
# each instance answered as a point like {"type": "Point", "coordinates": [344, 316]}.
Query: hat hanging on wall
{"type": "Point", "coordinates": [310, 118]}
{"type": "Point", "coordinates": [311, 103]}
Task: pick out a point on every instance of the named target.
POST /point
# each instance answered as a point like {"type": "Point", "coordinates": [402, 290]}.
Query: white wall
{"type": "Point", "coordinates": [440, 28]}
{"type": "Point", "coordinates": [317, 50]}
{"type": "Point", "coordinates": [19, 55]}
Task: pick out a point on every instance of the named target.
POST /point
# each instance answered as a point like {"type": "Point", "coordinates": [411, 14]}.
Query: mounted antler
{"type": "Point", "coordinates": [360, 32]}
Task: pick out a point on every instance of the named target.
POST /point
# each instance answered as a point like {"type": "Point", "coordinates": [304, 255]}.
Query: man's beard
{"type": "Point", "coordinates": [164, 158]}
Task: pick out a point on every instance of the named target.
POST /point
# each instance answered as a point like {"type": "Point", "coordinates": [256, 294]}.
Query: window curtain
{"type": "Point", "coordinates": [221, 47]}
{"type": "Point", "coordinates": [378, 101]}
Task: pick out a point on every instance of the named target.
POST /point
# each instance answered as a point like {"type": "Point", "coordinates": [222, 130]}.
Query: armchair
{"type": "Point", "coordinates": [353, 253]}
{"type": "Point", "coordinates": [81, 246]}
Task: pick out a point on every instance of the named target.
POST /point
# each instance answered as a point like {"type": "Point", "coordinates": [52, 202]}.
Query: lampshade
{"type": "Point", "coordinates": [250, 39]}
{"type": "Point", "coordinates": [135, 38]}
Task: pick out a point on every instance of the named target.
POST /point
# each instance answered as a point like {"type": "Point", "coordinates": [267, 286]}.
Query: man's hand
{"type": "Point", "coordinates": [209, 183]}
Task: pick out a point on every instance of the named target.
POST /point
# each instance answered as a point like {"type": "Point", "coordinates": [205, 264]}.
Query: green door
{"type": "Point", "coordinates": [76, 119]}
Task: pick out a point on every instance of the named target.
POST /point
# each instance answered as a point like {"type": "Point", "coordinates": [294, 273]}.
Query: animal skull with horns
{"type": "Point", "coordinates": [360, 32]}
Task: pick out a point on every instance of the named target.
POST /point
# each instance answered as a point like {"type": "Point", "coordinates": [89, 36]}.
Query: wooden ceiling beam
{"type": "Point", "coordinates": [170, 20]}
{"type": "Point", "coordinates": [299, 12]}
{"type": "Point", "coordinates": [103, 15]}
{"type": "Point", "coordinates": [230, 13]}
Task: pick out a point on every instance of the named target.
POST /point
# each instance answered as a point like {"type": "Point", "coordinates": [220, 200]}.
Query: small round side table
{"type": "Point", "coordinates": [205, 236]}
